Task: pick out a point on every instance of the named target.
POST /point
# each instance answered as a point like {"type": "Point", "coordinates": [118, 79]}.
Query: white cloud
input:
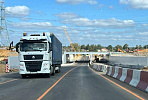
{"type": "Point", "coordinates": [101, 5]}
{"type": "Point", "coordinates": [31, 25]}
{"type": "Point", "coordinates": [25, 18]}
{"type": "Point", "coordinates": [1, 0]}
{"type": "Point", "coordinates": [144, 33]}
{"type": "Point", "coordinates": [137, 4]}
{"type": "Point", "coordinates": [111, 23]}
{"type": "Point", "coordinates": [144, 25]}
{"type": "Point", "coordinates": [111, 7]}
{"type": "Point", "coordinates": [17, 11]}
{"type": "Point", "coordinates": [93, 2]}
{"type": "Point", "coordinates": [77, 1]}
{"type": "Point", "coordinates": [67, 15]}
{"type": "Point", "coordinates": [70, 1]}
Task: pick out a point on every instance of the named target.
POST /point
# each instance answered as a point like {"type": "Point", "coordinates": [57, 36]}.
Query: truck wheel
{"type": "Point", "coordinates": [23, 76]}
{"type": "Point", "coordinates": [47, 75]}
{"type": "Point", "coordinates": [53, 73]}
{"type": "Point", "coordinates": [59, 70]}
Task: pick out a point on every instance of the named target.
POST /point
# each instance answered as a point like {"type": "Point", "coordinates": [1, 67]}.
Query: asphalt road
{"type": "Point", "coordinates": [80, 83]}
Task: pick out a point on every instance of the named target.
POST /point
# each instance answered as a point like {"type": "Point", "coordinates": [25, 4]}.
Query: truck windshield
{"type": "Point", "coordinates": [33, 46]}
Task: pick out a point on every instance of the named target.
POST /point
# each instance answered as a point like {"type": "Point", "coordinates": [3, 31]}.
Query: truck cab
{"type": "Point", "coordinates": [36, 55]}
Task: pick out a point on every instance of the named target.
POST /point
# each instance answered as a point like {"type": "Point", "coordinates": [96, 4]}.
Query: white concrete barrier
{"type": "Point", "coordinates": [136, 78]}
{"type": "Point", "coordinates": [116, 71]}
{"type": "Point", "coordinates": [124, 74]}
{"type": "Point", "coordinates": [133, 77]}
{"type": "Point", "coordinates": [110, 70]}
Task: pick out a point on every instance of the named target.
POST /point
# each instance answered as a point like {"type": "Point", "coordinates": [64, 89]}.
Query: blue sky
{"type": "Point", "coordinates": [105, 22]}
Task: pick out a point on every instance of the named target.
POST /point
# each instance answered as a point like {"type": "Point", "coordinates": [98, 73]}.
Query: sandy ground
{"type": "Point", "coordinates": [144, 69]}
{"type": "Point", "coordinates": [3, 69]}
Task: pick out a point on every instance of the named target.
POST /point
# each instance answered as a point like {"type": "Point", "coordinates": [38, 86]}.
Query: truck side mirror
{"type": "Point", "coordinates": [17, 47]}
{"type": "Point", "coordinates": [50, 47]}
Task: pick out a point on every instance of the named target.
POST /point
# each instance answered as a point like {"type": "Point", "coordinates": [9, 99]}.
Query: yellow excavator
{"type": "Point", "coordinates": [119, 50]}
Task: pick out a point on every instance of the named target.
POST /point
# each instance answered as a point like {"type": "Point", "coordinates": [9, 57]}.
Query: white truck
{"type": "Point", "coordinates": [39, 54]}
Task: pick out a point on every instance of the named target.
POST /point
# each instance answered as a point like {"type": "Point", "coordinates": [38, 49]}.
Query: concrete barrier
{"type": "Point", "coordinates": [147, 89]}
{"type": "Point", "coordinates": [143, 84]}
{"type": "Point", "coordinates": [124, 74]}
{"type": "Point", "coordinates": [110, 71]}
{"type": "Point", "coordinates": [116, 72]}
{"type": "Point", "coordinates": [133, 77]}
{"type": "Point", "coordinates": [113, 71]}
{"type": "Point", "coordinates": [136, 78]}
{"type": "Point", "coordinates": [119, 73]}
{"type": "Point", "coordinates": [95, 66]}
{"type": "Point", "coordinates": [102, 68]}
{"type": "Point", "coordinates": [107, 70]}
{"type": "Point", "coordinates": [129, 76]}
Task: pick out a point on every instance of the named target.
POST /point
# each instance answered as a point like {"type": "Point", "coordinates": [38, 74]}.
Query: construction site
{"type": "Point", "coordinates": [8, 50]}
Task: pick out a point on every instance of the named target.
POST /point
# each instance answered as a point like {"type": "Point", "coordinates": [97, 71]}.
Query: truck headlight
{"type": "Point", "coordinates": [21, 66]}
{"type": "Point", "coordinates": [45, 65]}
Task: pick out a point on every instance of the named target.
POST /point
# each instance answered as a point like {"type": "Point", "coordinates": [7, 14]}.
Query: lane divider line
{"type": "Point", "coordinates": [118, 85]}
{"type": "Point", "coordinates": [55, 84]}
{"type": "Point", "coordinates": [8, 81]}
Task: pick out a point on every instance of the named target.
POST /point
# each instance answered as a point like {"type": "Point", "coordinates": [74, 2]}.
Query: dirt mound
{"type": "Point", "coordinates": [145, 50]}
{"type": "Point", "coordinates": [4, 53]}
{"type": "Point", "coordinates": [2, 68]}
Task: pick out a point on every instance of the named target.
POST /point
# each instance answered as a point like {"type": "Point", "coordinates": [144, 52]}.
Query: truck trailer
{"type": "Point", "coordinates": [39, 54]}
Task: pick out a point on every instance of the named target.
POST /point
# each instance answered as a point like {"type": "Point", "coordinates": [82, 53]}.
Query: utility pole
{"type": "Point", "coordinates": [4, 37]}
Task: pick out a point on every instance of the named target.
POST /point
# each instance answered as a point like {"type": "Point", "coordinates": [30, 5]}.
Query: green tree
{"type": "Point", "coordinates": [76, 46]}
{"type": "Point", "coordinates": [99, 47]}
{"type": "Point", "coordinates": [83, 47]}
{"type": "Point", "coordinates": [110, 48]}
{"type": "Point", "coordinates": [140, 47]}
{"type": "Point", "coordinates": [87, 47]}
{"type": "Point", "coordinates": [136, 47]}
{"type": "Point", "coordinates": [125, 47]}
{"type": "Point", "coordinates": [118, 47]}
{"type": "Point", "coordinates": [145, 47]}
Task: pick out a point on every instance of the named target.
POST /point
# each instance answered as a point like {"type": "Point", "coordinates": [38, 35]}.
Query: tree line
{"type": "Point", "coordinates": [95, 48]}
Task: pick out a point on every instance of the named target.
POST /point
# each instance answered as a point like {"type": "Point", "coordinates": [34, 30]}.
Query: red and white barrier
{"type": "Point", "coordinates": [143, 84]}
{"type": "Point", "coordinates": [110, 70]}
{"type": "Point", "coordinates": [107, 70]}
{"type": "Point", "coordinates": [129, 76]}
{"type": "Point", "coordinates": [116, 72]}
{"type": "Point", "coordinates": [101, 68]}
{"type": "Point", "coordinates": [136, 78]}
{"type": "Point", "coordinates": [119, 73]}
{"type": "Point", "coordinates": [132, 77]}
{"type": "Point", "coordinates": [147, 89]}
{"type": "Point", "coordinates": [7, 68]}
{"type": "Point", "coordinates": [113, 71]}
{"type": "Point", "coordinates": [124, 74]}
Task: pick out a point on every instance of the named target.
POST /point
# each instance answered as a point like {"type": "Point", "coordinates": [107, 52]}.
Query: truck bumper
{"type": "Point", "coordinates": [44, 69]}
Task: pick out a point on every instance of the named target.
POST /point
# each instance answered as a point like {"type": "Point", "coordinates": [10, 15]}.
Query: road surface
{"type": "Point", "coordinates": [77, 82]}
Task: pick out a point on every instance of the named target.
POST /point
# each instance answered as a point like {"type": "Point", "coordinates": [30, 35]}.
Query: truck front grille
{"type": "Point", "coordinates": [33, 66]}
{"type": "Point", "coordinates": [33, 57]}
